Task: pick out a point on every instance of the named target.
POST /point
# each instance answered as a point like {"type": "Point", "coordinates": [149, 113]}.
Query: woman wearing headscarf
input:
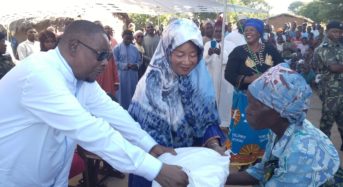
{"type": "Point", "coordinates": [297, 153]}
{"type": "Point", "coordinates": [174, 100]}
{"type": "Point", "coordinates": [245, 64]}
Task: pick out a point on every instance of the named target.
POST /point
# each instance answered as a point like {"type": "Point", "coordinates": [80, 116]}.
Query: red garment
{"type": "Point", "coordinates": [109, 78]}
{"type": "Point", "coordinates": [77, 166]}
{"type": "Point", "coordinates": [113, 42]}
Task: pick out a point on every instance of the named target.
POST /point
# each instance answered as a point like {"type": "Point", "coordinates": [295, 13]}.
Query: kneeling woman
{"type": "Point", "coordinates": [174, 101]}
{"type": "Point", "coordinates": [297, 153]}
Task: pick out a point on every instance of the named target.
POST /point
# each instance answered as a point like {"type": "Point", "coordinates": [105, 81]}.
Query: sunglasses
{"type": "Point", "coordinates": [100, 55]}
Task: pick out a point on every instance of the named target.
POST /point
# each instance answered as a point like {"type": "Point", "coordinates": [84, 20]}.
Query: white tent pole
{"type": "Point", "coordinates": [222, 49]}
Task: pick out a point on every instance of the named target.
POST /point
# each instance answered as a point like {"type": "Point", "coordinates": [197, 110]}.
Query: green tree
{"type": "Point", "coordinates": [140, 20]}
{"type": "Point", "coordinates": [257, 4]}
{"type": "Point", "coordinates": [295, 6]}
{"type": "Point", "coordinates": [313, 10]}
{"type": "Point", "coordinates": [321, 10]}
{"type": "Point", "coordinates": [331, 9]}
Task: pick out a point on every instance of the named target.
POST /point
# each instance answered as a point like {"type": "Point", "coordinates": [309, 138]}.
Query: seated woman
{"type": "Point", "coordinates": [174, 100]}
{"type": "Point", "coordinates": [297, 153]}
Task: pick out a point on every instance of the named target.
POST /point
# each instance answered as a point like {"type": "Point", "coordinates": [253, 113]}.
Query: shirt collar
{"type": "Point", "coordinates": [67, 72]}
{"type": "Point", "coordinates": [332, 43]}
{"type": "Point", "coordinates": [27, 40]}
{"type": "Point", "coordinates": [280, 146]}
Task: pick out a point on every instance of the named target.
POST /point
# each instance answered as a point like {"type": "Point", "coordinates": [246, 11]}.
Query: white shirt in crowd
{"type": "Point", "coordinates": [9, 51]}
{"type": "Point", "coordinates": [223, 89]}
{"type": "Point", "coordinates": [45, 111]}
{"type": "Point", "coordinates": [26, 48]}
{"type": "Point", "coordinates": [231, 41]}
{"type": "Point", "coordinates": [315, 33]}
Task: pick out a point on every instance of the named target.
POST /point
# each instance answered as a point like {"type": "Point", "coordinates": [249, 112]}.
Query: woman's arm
{"type": "Point", "coordinates": [241, 178]}
{"type": "Point", "coordinates": [232, 68]}
{"type": "Point", "coordinates": [213, 139]}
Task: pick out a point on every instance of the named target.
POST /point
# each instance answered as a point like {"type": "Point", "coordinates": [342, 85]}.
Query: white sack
{"type": "Point", "coordinates": [204, 167]}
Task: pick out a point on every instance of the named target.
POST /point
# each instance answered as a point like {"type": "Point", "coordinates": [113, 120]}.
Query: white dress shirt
{"type": "Point", "coordinates": [223, 89]}
{"type": "Point", "coordinates": [26, 48]}
{"type": "Point", "coordinates": [45, 112]}
{"type": "Point", "coordinates": [231, 41]}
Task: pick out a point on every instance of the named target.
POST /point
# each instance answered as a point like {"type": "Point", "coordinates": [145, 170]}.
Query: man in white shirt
{"type": "Point", "coordinates": [51, 102]}
{"type": "Point", "coordinates": [231, 41]}
{"type": "Point", "coordinates": [216, 68]}
{"type": "Point", "coordinates": [30, 45]}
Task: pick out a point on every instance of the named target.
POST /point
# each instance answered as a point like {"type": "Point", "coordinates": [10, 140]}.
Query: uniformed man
{"type": "Point", "coordinates": [6, 62]}
{"type": "Point", "coordinates": [329, 56]}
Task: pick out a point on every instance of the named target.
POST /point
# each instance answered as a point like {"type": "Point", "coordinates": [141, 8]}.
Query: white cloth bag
{"type": "Point", "coordinates": [204, 167]}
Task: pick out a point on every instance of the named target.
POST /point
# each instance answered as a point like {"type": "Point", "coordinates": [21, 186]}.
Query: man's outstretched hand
{"type": "Point", "coordinates": [172, 176]}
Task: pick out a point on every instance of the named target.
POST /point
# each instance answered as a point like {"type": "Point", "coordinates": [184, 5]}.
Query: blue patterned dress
{"type": "Point", "coordinates": [306, 157]}
{"type": "Point", "coordinates": [124, 55]}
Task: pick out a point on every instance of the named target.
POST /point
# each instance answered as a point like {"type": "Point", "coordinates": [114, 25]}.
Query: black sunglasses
{"type": "Point", "coordinates": [100, 55]}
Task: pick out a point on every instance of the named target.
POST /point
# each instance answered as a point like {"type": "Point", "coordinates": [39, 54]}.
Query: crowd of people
{"type": "Point", "coordinates": [132, 101]}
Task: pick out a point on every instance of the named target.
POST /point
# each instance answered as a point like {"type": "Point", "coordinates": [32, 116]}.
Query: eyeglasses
{"type": "Point", "coordinates": [100, 55]}
{"type": "Point", "coordinates": [139, 36]}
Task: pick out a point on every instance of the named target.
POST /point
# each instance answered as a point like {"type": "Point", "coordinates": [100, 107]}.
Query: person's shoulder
{"type": "Point", "coordinates": [232, 35]}
{"type": "Point", "coordinates": [118, 46]}
{"type": "Point", "coordinates": [207, 43]}
{"type": "Point", "coordinates": [238, 49]}
{"type": "Point", "coordinates": [322, 48]}
{"type": "Point", "coordinates": [269, 46]}
{"type": "Point", "coordinates": [308, 140]}
{"type": "Point", "coordinates": [21, 43]}
{"type": "Point", "coordinates": [134, 48]}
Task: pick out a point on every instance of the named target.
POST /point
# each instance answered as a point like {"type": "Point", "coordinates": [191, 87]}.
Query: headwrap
{"type": "Point", "coordinates": [256, 23]}
{"type": "Point", "coordinates": [174, 109]}
{"type": "Point", "coordinates": [334, 25]}
{"type": "Point", "coordinates": [283, 90]}
{"type": "Point", "coordinates": [137, 32]}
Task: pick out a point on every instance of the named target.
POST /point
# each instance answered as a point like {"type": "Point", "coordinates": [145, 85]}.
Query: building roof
{"type": "Point", "coordinates": [290, 15]}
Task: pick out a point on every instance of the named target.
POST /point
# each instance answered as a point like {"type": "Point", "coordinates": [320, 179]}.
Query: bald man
{"type": "Point", "coordinates": [51, 102]}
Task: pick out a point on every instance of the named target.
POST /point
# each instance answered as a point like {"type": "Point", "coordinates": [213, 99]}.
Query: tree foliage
{"type": "Point", "coordinates": [257, 4]}
{"type": "Point", "coordinates": [295, 6]}
{"type": "Point", "coordinates": [141, 19]}
{"type": "Point", "coordinates": [319, 10]}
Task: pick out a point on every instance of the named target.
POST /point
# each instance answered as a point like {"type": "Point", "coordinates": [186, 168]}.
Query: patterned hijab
{"type": "Point", "coordinates": [283, 90]}
{"type": "Point", "coordinates": [174, 109]}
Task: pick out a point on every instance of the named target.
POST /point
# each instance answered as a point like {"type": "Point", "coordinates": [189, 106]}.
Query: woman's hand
{"type": "Point", "coordinates": [214, 145]}
{"type": "Point", "coordinates": [219, 149]}
{"type": "Point", "coordinates": [158, 150]}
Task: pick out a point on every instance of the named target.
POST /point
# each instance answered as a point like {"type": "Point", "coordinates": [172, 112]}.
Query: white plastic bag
{"type": "Point", "coordinates": [204, 167]}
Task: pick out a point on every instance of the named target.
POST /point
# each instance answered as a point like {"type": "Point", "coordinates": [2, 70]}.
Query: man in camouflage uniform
{"type": "Point", "coordinates": [5, 60]}
{"type": "Point", "coordinates": [329, 56]}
